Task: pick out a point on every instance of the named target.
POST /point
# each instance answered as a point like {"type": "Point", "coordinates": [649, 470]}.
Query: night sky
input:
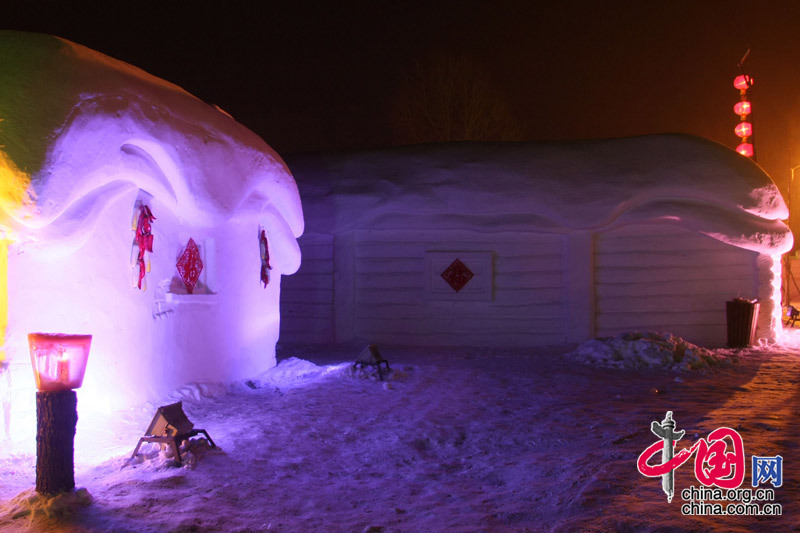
{"type": "Point", "coordinates": [316, 76]}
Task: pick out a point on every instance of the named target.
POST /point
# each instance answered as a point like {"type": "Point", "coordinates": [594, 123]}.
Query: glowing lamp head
{"type": "Point", "coordinates": [742, 108]}
{"type": "Point", "coordinates": [743, 82]}
{"type": "Point", "coordinates": [743, 129]}
{"type": "Point", "coordinates": [746, 149]}
{"type": "Point", "coordinates": [59, 360]}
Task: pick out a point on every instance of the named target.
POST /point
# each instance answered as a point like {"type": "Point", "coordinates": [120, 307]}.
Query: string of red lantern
{"type": "Point", "coordinates": [744, 130]}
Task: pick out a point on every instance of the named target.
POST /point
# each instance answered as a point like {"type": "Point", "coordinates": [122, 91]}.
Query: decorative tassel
{"type": "Point", "coordinates": [144, 243]}
{"type": "Point", "coordinates": [265, 266]}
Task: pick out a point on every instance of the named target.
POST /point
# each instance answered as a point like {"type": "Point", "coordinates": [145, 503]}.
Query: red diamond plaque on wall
{"type": "Point", "coordinates": [190, 265]}
{"type": "Point", "coordinates": [457, 275]}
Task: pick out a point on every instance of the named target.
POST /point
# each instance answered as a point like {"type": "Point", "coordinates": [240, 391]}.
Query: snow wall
{"type": "Point", "coordinates": [565, 242]}
{"type": "Point", "coordinates": [86, 141]}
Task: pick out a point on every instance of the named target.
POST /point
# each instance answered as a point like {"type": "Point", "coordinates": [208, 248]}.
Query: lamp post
{"type": "Point", "coordinates": [59, 363]}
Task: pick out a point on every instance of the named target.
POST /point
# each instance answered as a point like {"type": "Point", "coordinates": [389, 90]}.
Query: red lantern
{"type": "Point", "coordinates": [59, 360]}
{"type": "Point", "coordinates": [742, 108]}
{"type": "Point", "coordinates": [743, 129]}
{"type": "Point", "coordinates": [746, 149]}
{"type": "Point", "coordinates": [743, 82]}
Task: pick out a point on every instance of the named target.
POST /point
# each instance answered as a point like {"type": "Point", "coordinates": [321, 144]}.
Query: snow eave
{"type": "Point", "coordinates": [556, 187]}
{"type": "Point", "coordinates": [598, 175]}
{"type": "Point", "coordinates": [106, 127]}
{"type": "Point", "coordinates": [743, 230]}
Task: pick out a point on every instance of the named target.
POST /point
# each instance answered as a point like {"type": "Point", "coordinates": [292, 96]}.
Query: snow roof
{"type": "Point", "coordinates": [79, 128]}
{"type": "Point", "coordinates": [554, 187]}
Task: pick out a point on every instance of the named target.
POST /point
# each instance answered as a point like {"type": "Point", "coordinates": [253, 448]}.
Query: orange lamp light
{"type": "Point", "coordinates": [59, 360]}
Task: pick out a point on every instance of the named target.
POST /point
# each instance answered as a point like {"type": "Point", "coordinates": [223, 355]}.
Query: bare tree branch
{"type": "Point", "coordinates": [449, 98]}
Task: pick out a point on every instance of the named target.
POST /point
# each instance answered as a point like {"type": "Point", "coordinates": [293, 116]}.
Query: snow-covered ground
{"type": "Point", "coordinates": [453, 440]}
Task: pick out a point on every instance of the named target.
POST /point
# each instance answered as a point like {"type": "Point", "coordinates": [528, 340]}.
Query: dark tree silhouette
{"type": "Point", "coordinates": [448, 98]}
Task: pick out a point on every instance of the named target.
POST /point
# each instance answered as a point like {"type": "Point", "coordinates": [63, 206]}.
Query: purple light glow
{"type": "Point", "coordinates": [70, 270]}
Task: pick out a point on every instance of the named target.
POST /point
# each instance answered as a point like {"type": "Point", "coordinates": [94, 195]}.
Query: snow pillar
{"type": "Point", "coordinates": [344, 286]}
{"type": "Point", "coordinates": [768, 293]}
{"type": "Point", "coordinates": [579, 281]}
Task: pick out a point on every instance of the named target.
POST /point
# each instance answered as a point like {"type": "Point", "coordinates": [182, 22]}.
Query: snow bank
{"type": "Point", "coordinates": [294, 372]}
{"type": "Point", "coordinates": [646, 350]}
{"type": "Point", "coordinates": [32, 504]}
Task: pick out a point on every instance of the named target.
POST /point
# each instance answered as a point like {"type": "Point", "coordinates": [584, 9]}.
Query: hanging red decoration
{"type": "Point", "coordinates": [265, 266]}
{"type": "Point", "coordinates": [190, 266]}
{"type": "Point", "coordinates": [742, 108]}
{"type": "Point", "coordinates": [743, 129]}
{"type": "Point", "coordinates": [746, 149]}
{"type": "Point", "coordinates": [743, 82]}
{"type": "Point", "coordinates": [144, 241]}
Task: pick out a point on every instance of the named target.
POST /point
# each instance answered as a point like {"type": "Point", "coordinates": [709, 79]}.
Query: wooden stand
{"type": "Point", "coordinates": [56, 419]}
{"type": "Point", "coordinates": [371, 356]}
{"type": "Point", "coordinates": [173, 442]}
{"type": "Point", "coordinates": [170, 426]}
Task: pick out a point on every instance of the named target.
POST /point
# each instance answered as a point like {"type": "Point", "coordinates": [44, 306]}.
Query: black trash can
{"type": "Point", "coordinates": [742, 320]}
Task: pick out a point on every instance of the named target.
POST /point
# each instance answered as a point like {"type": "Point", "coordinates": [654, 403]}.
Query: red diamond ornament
{"type": "Point", "coordinates": [190, 265]}
{"type": "Point", "coordinates": [457, 275]}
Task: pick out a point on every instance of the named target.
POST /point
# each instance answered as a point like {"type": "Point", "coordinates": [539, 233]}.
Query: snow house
{"type": "Point", "coordinates": [102, 162]}
{"type": "Point", "coordinates": [524, 244]}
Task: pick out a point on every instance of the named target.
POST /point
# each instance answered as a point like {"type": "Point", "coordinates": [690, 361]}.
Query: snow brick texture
{"type": "Point", "coordinates": [566, 241]}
